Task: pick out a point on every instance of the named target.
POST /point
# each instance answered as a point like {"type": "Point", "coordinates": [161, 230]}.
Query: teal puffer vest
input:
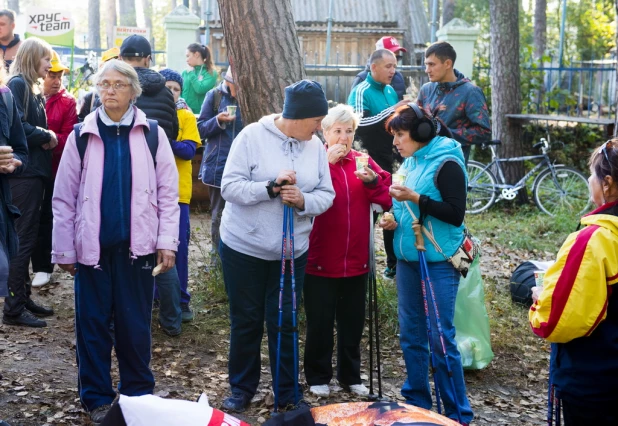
{"type": "Point", "coordinates": [421, 170]}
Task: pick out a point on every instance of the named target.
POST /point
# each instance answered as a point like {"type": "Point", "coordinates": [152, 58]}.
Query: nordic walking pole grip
{"type": "Point", "coordinates": [420, 243]}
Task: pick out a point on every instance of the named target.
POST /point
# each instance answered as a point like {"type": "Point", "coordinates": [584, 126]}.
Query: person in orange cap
{"type": "Point", "coordinates": [109, 54]}
{"type": "Point", "coordinates": [61, 110]}
{"type": "Point", "coordinates": [91, 99]}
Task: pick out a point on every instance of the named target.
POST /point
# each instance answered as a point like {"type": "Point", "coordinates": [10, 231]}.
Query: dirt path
{"type": "Point", "coordinates": [39, 373]}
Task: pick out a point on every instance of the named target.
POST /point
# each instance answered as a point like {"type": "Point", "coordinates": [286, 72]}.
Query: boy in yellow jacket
{"type": "Point", "coordinates": [184, 147]}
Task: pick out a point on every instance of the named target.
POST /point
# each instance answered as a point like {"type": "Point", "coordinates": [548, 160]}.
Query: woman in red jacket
{"type": "Point", "coordinates": [338, 262]}
{"type": "Point", "coordinates": [61, 112]}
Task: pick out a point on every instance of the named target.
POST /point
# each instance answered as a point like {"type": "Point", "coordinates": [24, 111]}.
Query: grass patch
{"type": "Point", "coordinates": [522, 227]}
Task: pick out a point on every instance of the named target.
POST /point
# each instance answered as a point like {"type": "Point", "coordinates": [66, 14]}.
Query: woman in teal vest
{"type": "Point", "coordinates": [433, 188]}
{"type": "Point", "coordinates": [199, 78]}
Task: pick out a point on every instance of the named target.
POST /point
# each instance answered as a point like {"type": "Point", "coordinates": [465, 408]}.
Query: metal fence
{"type": "Point", "coordinates": [584, 89]}
{"type": "Point", "coordinates": [337, 78]}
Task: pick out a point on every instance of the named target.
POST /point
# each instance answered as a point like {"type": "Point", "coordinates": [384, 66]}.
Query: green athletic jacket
{"type": "Point", "coordinates": [196, 83]}
{"type": "Point", "coordinates": [374, 102]}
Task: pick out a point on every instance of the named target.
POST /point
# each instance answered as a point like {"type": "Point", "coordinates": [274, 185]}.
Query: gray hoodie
{"type": "Point", "coordinates": [252, 222]}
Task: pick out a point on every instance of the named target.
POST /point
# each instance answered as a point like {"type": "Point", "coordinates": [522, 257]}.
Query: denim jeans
{"type": "Point", "coordinates": [252, 286]}
{"type": "Point", "coordinates": [414, 341]}
{"type": "Point", "coordinates": [168, 287]}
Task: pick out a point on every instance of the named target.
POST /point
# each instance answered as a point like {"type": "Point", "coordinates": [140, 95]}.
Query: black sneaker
{"type": "Point", "coordinates": [186, 312]}
{"type": "Point", "coordinates": [238, 402]}
{"type": "Point", "coordinates": [171, 333]}
{"type": "Point", "coordinates": [98, 414]}
{"type": "Point", "coordinates": [38, 310]}
{"type": "Point", "coordinates": [25, 318]}
{"type": "Point", "coordinates": [390, 273]}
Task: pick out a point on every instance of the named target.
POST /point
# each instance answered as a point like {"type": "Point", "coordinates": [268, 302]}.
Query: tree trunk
{"type": "Point", "coordinates": [127, 13]}
{"type": "Point", "coordinates": [13, 5]}
{"type": "Point", "coordinates": [263, 47]}
{"type": "Point", "coordinates": [505, 82]}
{"type": "Point", "coordinates": [540, 28]}
{"type": "Point", "coordinates": [448, 11]}
{"type": "Point", "coordinates": [94, 24]}
{"type": "Point", "coordinates": [111, 20]}
{"type": "Point", "coordinates": [195, 7]}
{"type": "Point", "coordinates": [405, 21]}
{"type": "Point", "coordinates": [147, 9]}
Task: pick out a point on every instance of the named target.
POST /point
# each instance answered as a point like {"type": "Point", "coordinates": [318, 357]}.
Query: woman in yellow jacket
{"type": "Point", "coordinates": [577, 309]}
{"type": "Point", "coordinates": [184, 149]}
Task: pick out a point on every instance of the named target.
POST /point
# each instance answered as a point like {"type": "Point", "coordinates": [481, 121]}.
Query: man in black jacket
{"type": "Point", "coordinates": [156, 100]}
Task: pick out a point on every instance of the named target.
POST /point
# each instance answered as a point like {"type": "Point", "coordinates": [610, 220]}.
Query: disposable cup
{"type": "Point", "coordinates": [361, 162]}
{"type": "Point", "coordinates": [231, 110]}
{"type": "Point", "coordinates": [399, 179]}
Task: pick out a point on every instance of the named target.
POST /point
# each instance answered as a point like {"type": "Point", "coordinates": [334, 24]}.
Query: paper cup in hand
{"type": "Point", "coordinates": [157, 270]}
{"type": "Point", "coordinates": [361, 162]}
{"type": "Point", "coordinates": [398, 179]}
{"type": "Point", "coordinates": [231, 110]}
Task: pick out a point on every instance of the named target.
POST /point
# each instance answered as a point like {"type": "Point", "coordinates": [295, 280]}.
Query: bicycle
{"type": "Point", "coordinates": [556, 188]}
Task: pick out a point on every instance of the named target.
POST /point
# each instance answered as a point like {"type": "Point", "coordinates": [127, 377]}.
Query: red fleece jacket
{"type": "Point", "coordinates": [339, 241]}
{"type": "Point", "coordinates": [61, 116]}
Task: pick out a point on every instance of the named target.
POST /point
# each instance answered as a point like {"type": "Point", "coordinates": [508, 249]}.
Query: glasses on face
{"type": "Point", "coordinates": [116, 86]}
{"type": "Point", "coordinates": [604, 151]}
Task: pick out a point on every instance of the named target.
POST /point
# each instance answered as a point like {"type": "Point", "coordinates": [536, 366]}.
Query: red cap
{"type": "Point", "coordinates": [389, 43]}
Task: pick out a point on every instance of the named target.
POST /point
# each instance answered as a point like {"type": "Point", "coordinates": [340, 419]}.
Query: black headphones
{"type": "Point", "coordinates": [424, 129]}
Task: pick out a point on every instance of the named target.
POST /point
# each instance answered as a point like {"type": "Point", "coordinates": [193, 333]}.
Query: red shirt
{"type": "Point", "coordinates": [61, 112]}
{"type": "Point", "coordinates": [339, 241]}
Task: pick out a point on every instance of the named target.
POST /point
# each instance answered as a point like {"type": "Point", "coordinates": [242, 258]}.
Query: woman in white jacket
{"type": "Point", "coordinates": [278, 159]}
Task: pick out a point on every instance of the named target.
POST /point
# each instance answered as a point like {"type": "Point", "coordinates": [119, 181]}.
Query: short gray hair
{"type": "Point", "coordinates": [342, 113]}
{"type": "Point", "coordinates": [123, 68]}
{"type": "Point", "coordinates": [379, 55]}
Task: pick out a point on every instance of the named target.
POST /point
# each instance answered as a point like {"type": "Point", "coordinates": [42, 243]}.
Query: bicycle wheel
{"type": "Point", "coordinates": [481, 188]}
{"type": "Point", "coordinates": [568, 193]}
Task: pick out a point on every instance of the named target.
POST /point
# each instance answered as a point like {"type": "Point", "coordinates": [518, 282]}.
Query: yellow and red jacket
{"type": "Point", "coordinates": [576, 288]}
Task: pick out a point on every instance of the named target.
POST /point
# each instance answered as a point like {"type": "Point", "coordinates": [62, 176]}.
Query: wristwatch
{"type": "Point", "coordinates": [272, 184]}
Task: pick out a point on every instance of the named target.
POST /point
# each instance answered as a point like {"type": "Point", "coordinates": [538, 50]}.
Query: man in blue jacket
{"type": "Point", "coordinates": [454, 98]}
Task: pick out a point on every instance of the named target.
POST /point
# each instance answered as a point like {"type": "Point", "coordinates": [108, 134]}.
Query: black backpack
{"type": "Point", "coordinates": [522, 282]}
{"type": "Point", "coordinates": [151, 134]}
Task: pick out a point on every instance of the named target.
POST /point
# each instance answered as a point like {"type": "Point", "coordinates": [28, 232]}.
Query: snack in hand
{"type": "Point", "coordinates": [388, 216]}
{"type": "Point", "coordinates": [157, 270]}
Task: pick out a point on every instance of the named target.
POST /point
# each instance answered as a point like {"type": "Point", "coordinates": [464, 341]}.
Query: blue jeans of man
{"type": "Point", "coordinates": [120, 289]}
{"type": "Point", "coordinates": [252, 286]}
{"type": "Point", "coordinates": [414, 341]}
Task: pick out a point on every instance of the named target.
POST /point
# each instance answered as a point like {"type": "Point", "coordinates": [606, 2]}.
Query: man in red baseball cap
{"type": "Point", "coordinates": [390, 43]}
{"type": "Point", "coordinates": [398, 83]}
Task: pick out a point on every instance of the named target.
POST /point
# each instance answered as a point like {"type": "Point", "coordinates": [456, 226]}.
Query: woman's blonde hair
{"type": "Point", "coordinates": [343, 114]}
{"type": "Point", "coordinates": [28, 59]}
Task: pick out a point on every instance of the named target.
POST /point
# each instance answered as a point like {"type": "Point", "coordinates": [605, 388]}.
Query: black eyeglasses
{"type": "Point", "coordinates": [604, 151]}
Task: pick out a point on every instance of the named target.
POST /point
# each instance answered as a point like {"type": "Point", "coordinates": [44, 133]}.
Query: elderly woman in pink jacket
{"type": "Point", "coordinates": [116, 216]}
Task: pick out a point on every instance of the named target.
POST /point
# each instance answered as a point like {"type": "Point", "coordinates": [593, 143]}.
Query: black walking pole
{"type": "Point", "coordinates": [373, 313]}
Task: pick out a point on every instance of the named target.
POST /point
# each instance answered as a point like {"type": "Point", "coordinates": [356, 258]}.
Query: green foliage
{"type": "Point", "coordinates": [592, 28]}
{"type": "Point", "coordinates": [579, 142]}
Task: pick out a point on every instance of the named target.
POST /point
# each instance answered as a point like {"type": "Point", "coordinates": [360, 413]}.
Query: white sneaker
{"type": "Point", "coordinates": [320, 390]}
{"type": "Point", "coordinates": [41, 278]}
{"type": "Point", "coordinates": [359, 390]}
